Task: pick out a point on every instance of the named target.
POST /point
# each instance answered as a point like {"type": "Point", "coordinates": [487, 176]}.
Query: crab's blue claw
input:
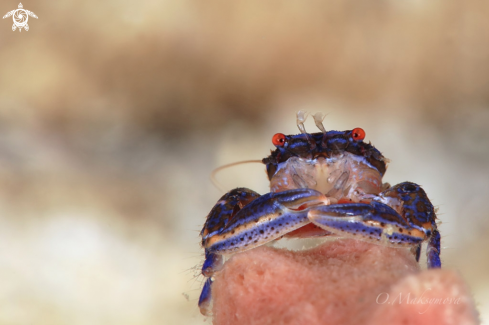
{"type": "Point", "coordinates": [374, 222]}
{"type": "Point", "coordinates": [267, 218]}
{"type": "Point", "coordinates": [378, 223]}
{"type": "Point", "coordinates": [232, 229]}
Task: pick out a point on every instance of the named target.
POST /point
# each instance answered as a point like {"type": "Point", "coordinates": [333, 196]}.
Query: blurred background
{"type": "Point", "coordinates": [113, 115]}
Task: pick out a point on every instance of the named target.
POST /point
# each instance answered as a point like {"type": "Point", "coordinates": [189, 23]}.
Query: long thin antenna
{"type": "Point", "coordinates": [218, 169]}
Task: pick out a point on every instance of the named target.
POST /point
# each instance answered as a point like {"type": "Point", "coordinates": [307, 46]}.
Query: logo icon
{"type": "Point", "coordinates": [20, 16]}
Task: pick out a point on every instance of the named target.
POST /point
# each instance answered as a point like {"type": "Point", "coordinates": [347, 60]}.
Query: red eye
{"type": "Point", "coordinates": [278, 139]}
{"type": "Point", "coordinates": [358, 134]}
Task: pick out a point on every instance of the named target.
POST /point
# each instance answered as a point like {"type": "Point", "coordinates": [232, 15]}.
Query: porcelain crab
{"type": "Point", "coordinates": [325, 183]}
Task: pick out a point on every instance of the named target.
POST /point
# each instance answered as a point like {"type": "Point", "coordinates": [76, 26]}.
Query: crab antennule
{"type": "Point", "coordinates": [301, 118]}
{"type": "Point", "coordinates": [318, 119]}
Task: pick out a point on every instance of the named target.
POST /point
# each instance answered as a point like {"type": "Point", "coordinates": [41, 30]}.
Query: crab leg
{"type": "Point", "coordinates": [206, 297]}
{"type": "Point", "coordinates": [374, 222]}
{"type": "Point", "coordinates": [267, 218]}
{"type": "Point", "coordinates": [262, 220]}
{"type": "Point", "coordinates": [433, 250]}
{"type": "Point", "coordinates": [379, 223]}
{"type": "Point", "coordinates": [227, 206]}
{"type": "Point", "coordinates": [222, 212]}
{"type": "Point", "coordinates": [417, 209]}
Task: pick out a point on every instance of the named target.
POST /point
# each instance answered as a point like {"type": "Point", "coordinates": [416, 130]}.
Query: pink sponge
{"type": "Point", "coordinates": [340, 282]}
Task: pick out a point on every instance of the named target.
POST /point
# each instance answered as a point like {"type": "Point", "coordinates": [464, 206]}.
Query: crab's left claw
{"type": "Point", "coordinates": [378, 223]}
{"type": "Point", "coordinates": [375, 222]}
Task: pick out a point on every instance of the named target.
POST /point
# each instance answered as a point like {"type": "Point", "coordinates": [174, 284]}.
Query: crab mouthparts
{"type": "Point", "coordinates": [345, 176]}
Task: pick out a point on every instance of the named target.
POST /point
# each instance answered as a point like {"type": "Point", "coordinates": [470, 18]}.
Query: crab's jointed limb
{"type": "Point", "coordinates": [234, 227]}
{"type": "Point", "coordinates": [401, 216]}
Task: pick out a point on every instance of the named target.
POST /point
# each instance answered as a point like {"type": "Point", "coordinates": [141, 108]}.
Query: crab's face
{"type": "Point", "coordinates": [336, 163]}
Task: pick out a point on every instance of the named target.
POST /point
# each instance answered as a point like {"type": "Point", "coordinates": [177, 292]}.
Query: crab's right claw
{"type": "Point", "coordinates": [374, 222]}
{"type": "Point", "coordinates": [258, 222]}
{"type": "Point", "coordinates": [265, 219]}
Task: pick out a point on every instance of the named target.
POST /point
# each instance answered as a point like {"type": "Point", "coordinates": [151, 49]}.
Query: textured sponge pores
{"type": "Point", "coordinates": [340, 282]}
